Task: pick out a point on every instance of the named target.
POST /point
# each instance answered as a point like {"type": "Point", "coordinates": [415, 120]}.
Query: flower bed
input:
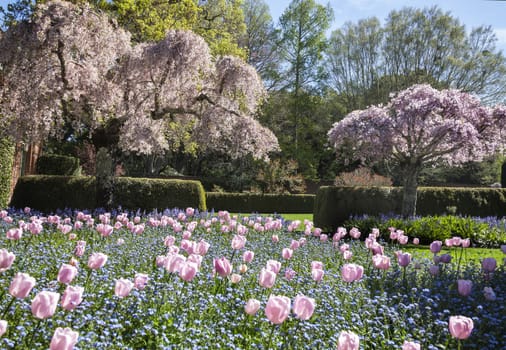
{"type": "Point", "coordinates": [184, 280]}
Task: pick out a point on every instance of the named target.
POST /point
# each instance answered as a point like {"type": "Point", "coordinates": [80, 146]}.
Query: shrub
{"type": "Point", "coordinates": [50, 193]}
{"type": "Point", "coordinates": [334, 205]}
{"type": "Point", "coordinates": [6, 162]}
{"type": "Point", "coordinates": [261, 203]}
{"type": "Point", "coordinates": [362, 177]}
{"type": "Point", "coordinates": [134, 193]}
{"type": "Point", "coordinates": [54, 164]}
{"type": "Point", "coordinates": [431, 228]}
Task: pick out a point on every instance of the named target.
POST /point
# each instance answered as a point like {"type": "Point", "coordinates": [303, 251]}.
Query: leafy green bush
{"type": "Point", "coordinates": [150, 194]}
{"type": "Point", "coordinates": [6, 161]}
{"type": "Point", "coordinates": [431, 228]}
{"type": "Point", "coordinates": [50, 192]}
{"type": "Point", "coordinates": [260, 203]}
{"type": "Point", "coordinates": [54, 164]}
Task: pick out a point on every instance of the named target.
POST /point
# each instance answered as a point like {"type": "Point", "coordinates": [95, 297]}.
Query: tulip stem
{"type": "Point", "coordinates": [8, 307]}
{"type": "Point", "coordinates": [270, 337]}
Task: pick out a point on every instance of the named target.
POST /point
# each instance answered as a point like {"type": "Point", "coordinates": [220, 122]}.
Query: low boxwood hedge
{"type": "Point", "coordinates": [260, 203]}
{"type": "Point", "coordinates": [55, 164]}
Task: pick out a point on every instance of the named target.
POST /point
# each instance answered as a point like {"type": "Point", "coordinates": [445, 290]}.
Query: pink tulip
{"type": "Point", "coordinates": [243, 268]}
{"type": "Point", "coordinates": [448, 242]}
{"type": "Point", "coordinates": [174, 262]}
{"type": "Point", "coordinates": [316, 265]}
{"type": "Point", "coordinates": [277, 309]}
{"type": "Point", "coordinates": [294, 245]}
{"type": "Point", "coordinates": [445, 258]}
{"type": "Point", "coordinates": [63, 339]}
{"type": "Point", "coordinates": [72, 297]}
{"type": "Point", "coordinates": [248, 256]}
{"type": "Point", "coordinates": [21, 285]}
{"type": "Point", "coordinates": [352, 272]}
{"type": "Point", "coordinates": [435, 247]}
{"type": "Point", "coordinates": [347, 255]}
{"type": "Point", "coordinates": [434, 270]}
{"type": "Point", "coordinates": [416, 241]}
{"type": "Point", "coordinates": [489, 294]}
{"type": "Point", "coordinates": [266, 278]}
{"type": "Point", "coordinates": [35, 227]}
{"type": "Point", "coordinates": [14, 233]}
{"type": "Point", "coordinates": [466, 243]}
{"type": "Point", "coordinates": [6, 259]}
{"type": "Point", "coordinates": [202, 247]}
{"type": "Point", "coordinates": [464, 287]}
{"type": "Point", "coordinates": [252, 307]}
{"type": "Point", "coordinates": [44, 304]}
{"type": "Point", "coordinates": [123, 287]}
{"type": "Point", "coordinates": [97, 261]}
{"type": "Point", "coordinates": [317, 275]}
{"type": "Point", "coordinates": [141, 281]}
{"type": "Point", "coordinates": [348, 341]}
{"type": "Point", "coordinates": [460, 327]}
{"type": "Point", "coordinates": [376, 248]}
{"type": "Point", "coordinates": [189, 211]}
{"type": "Point", "coordinates": [275, 238]}
{"type": "Point", "coordinates": [235, 278]}
{"type": "Point", "coordinates": [169, 241]}
{"type": "Point", "coordinates": [404, 259]}
{"type": "Point", "coordinates": [355, 233]}
{"type": "Point", "coordinates": [3, 327]}
{"type": "Point", "coordinates": [188, 271]}
{"type": "Point", "coordinates": [344, 247]}
{"type": "Point", "coordinates": [238, 242]}
{"type": "Point", "coordinates": [161, 261]}
{"type": "Point", "coordinates": [273, 265]}
{"type": "Point", "coordinates": [67, 273]}
{"type": "Point", "coordinates": [381, 262]}
{"type": "Point", "coordinates": [303, 307]}
{"type": "Point", "coordinates": [289, 274]}
{"type": "Point", "coordinates": [402, 239]}
{"type": "Point", "coordinates": [287, 253]}
{"type": "Point", "coordinates": [409, 345]}
{"type": "Point", "coordinates": [105, 230]}
{"type": "Point", "coordinates": [488, 265]}
{"type": "Point", "coordinates": [222, 266]}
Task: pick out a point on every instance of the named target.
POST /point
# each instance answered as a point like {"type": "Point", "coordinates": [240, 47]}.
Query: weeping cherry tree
{"type": "Point", "coordinates": [71, 66]}
{"type": "Point", "coordinates": [420, 126]}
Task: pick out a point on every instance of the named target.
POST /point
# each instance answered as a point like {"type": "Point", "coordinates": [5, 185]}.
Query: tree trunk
{"type": "Point", "coordinates": [503, 175]}
{"type": "Point", "coordinates": [410, 183]}
{"type": "Point", "coordinates": [104, 179]}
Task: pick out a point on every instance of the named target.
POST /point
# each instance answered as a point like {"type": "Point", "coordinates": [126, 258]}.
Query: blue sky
{"type": "Point", "coordinates": [471, 13]}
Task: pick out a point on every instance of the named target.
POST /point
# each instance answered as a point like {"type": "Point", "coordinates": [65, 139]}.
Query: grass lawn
{"type": "Point", "coordinates": [469, 255]}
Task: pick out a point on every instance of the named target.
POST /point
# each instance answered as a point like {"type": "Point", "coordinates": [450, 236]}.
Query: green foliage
{"type": "Point", "coordinates": [280, 177]}
{"type": "Point", "coordinates": [55, 164]}
{"type": "Point", "coordinates": [149, 194]}
{"type": "Point", "coordinates": [431, 228]}
{"type": "Point", "coordinates": [49, 193]}
{"type": "Point", "coordinates": [334, 205]}
{"type": "Point", "coordinates": [260, 203]}
{"type": "Point", "coordinates": [6, 161]}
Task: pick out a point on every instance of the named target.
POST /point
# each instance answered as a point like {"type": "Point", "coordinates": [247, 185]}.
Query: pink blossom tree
{"type": "Point", "coordinates": [70, 66]}
{"type": "Point", "coordinates": [420, 126]}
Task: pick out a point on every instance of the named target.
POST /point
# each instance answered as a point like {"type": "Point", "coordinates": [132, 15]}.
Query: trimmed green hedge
{"type": "Point", "coordinates": [149, 194]}
{"type": "Point", "coordinates": [334, 205]}
{"type": "Point", "coordinates": [261, 203]}
{"type": "Point", "coordinates": [6, 162]}
{"type": "Point", "coordinates": [55, 164]}
{"type": "Point", "coordinates": [49, 193]}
